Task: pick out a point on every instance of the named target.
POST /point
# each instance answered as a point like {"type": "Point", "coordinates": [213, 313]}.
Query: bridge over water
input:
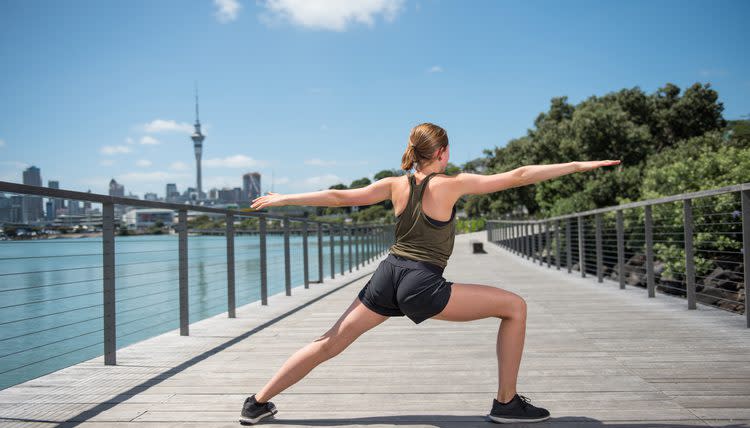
{"type": "Point", "coordinates": [595, 355]}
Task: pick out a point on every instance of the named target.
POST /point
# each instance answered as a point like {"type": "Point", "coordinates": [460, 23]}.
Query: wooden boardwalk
{"type": "Point", "coordinates": [595, 356]}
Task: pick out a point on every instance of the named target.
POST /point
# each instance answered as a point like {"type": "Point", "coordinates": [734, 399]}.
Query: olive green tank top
{"type": "Point", "coordinates": [419, 237]}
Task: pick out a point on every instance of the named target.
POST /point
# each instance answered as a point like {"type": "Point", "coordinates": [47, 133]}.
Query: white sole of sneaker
{"type": "Point", "coordinates": [501, 420]}
{"type": "Point", "coordinates": [252, 421]}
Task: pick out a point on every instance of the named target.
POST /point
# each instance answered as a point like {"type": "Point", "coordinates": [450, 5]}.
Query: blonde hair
{"type": "Point", "coordinates": [424, 139]}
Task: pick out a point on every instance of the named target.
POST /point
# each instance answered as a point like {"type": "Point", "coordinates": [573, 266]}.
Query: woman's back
{"type": "Point", "coordinates": [425, 229]}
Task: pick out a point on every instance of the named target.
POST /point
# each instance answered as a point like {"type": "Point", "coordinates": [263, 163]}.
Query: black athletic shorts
{"type": "Point", "coordinates": [400, 286]}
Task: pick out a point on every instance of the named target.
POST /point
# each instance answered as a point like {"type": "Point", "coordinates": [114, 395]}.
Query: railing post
{"type": "Point", "coordinates": [488, 226]}
{"type": "Point", "coordinates": [526, 240]}
{"type": "Point", "coordinates": [621, 249]}
{"type": "Point", "coordinates": [108, 275]}
{"type": "Point", "coordinates": [320, 252]}
{"type": "Point", "coordinates": [263, 262]}
{"type": "Point", "coordinates": [568, 244]}
{"type": "Point", "coordinates": [182, 249]}
{"type": "Point", "coordinates": [687, 209]}
{"type": "Point", "coordinates": [557, 243]}
{"type": "Point", "coordinates": [532, 226]}
{"type": "Point", "coordinates": [230, 267]}
{"type": "Point", "coordinates": [356, 245]}
{"type": "Point", "coordinates": [341, 248]}
{"type": "Point", "coordinates": [332, 242]}
{"type": "Point", "coordinates": [598, 239]}
{"type": "Point", "coordinates": [287, 259]}
{"type": "Point", "coordinates": [305, 261]}
{"type": "Point", "coordinates": [349, 238]}
{"type": "Point", "coordinates": [547, 244]}
{"type": "Point", "coordinates": [541, 244]}
{"type": "Point", "coordinates": [581, 249]}
{"type": "Point", "coordinates": [368, 242]}
{"type": "Point", "coordinates": [649, 253]}
{"type": "Point", "coordinates": [745, 198]}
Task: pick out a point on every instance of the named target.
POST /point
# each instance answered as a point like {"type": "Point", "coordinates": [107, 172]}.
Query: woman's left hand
{"type": "Point", "coordinates": [270, 200]}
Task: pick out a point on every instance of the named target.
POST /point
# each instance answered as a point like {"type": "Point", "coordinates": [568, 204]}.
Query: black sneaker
{"type": "Point", "coordinates": [253, 412]}
{"type": "Point", "coordinates": [518, 409]}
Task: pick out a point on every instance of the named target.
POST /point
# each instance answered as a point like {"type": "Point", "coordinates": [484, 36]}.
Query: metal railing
{"type": "Point", "coordinates": [692, 245]}
{"type": "Point", "coordinates": [31, 318]}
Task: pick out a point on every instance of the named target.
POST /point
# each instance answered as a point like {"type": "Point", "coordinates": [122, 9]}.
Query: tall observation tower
{"type": "Point", "coordinates": [198, 138]}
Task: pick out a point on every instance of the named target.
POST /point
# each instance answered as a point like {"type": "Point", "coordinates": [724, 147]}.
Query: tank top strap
{"type": "Point", "coordinates": [423, 185]}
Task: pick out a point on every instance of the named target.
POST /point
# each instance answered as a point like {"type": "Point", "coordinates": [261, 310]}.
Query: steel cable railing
{"type": "Point", "coordinates": [63, 301]}
{"type": "Point", "coordinates": [691, 246]}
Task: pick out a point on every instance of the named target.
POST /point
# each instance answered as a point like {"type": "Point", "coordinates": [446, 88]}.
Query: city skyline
{"type": "Point", "coordinates": [316, 100]}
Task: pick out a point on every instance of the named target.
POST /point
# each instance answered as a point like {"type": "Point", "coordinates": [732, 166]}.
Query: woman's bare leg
{"type": "Point", "coordinates": [356, 320]}
{"type": "Point", "coordinates": [470, 302]}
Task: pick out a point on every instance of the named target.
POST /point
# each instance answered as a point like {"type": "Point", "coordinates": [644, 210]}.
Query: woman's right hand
{"type": "Point", "coordinates": [589, 165]}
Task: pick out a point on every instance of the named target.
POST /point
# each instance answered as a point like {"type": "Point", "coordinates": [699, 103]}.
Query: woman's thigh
{"type": "Point", "coordinates": [469, 302]}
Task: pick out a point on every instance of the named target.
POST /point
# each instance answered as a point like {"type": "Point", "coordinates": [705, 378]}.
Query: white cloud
{"type": "Point", "coordinates": [227, 10]}
{"type": "Point", "coordinates": [319, 162]}
{"type": "Point", "coordinates": [335, 15]}
{"type": "Point", "coordinates": [236, 161]}
{"type": "Point", "coordinates": [114, 150]}
{"type": "Point", "coordinates": [149, 177]}
{"type": "Point", "coordinates": [149, 140]}
{"type": "Point", "coordinates": [143, 163]}
{"type": "Point", "coordinates": [435, 69]}
{"type": "Point", "coordinates": [2, 142]}
{"type": "Point", "coordinates": [317, 90]}
{"type": "Point", "coordinates": [130, 140]}
{"type": "Point", "coordinates": [179, 166]}
{"type": "Point", "coordinates": [713, 72]}
{"type": "Point", "coordinates": [323, 180]}
{"type": "Point", "coordinates": [106, 162]}
{"type": "Point", "coordinates": [220, 182]}
{"type": "Point", "coordinates": [15, 164]}
{"type": "Point", "coordinates": [161, 125]}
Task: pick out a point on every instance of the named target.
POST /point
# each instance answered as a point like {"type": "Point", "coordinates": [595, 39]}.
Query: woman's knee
{"type": "Point", "coordinates": [518, 308]}
{"type": "Point", "coordinates": [329, 345]}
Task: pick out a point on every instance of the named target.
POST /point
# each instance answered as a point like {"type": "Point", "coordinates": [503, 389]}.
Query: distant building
{"type": "Point", "coordinates": [50, 211]}
{"type": "Point", "coordinates": [87, 205]}
{"type": "Point", "coordinates": [147, 217]}
{"type": "Point", "coordinates": [16, 209]}
{"type": "Point", "coordinates": [191, 194]}
{"type": "Point", "coordinates": [171, 195]}
{"type": "Point", "coordinates": [226, 195]}
{"type": "Point", "coordinates": [251, 186]}
{"type": "Point", "coordinates": [213, 194]}
{"type": "Point", "coordinates": [57, 203]}
{"type": "Point", "coordinates": [198, 138]}
{"type": "Point", "coordinates": [32, 205]}
{"type": "Point", "coordinates": [74, 208]}
{"type": "Point", "coordinates": [4, 208]}
{"type": "Point", "coordinates": [150, 197]}
{"type": "Point", "coordinates": [116, 189]}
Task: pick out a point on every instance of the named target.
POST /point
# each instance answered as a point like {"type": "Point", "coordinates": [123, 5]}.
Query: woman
{"type": "Point", "coordinates": [409, 281]}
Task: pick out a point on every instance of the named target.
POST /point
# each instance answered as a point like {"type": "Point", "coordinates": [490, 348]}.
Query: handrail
{"type": "Point", "coordinates": [26, 189]}
{"type": "Point", "coordinates": [672, 198]}
{"type": "Point", "coordinates": [720, 287]}
{"type": "Point", "coordinates": [365, 242]}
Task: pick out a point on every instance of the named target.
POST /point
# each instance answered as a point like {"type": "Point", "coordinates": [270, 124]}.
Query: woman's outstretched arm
{"type": "Point", "coordinates": [477, 184]}
{"type": "Point", "coordinates": [368, 195]}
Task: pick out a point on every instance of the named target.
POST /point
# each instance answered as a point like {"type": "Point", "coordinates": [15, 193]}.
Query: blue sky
{"type": "Point", "coordinates": [322, 92]}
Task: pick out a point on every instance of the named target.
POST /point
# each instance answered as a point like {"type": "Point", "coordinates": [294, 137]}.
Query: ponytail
{"type": "Point", "coordinates": [424, 140]}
